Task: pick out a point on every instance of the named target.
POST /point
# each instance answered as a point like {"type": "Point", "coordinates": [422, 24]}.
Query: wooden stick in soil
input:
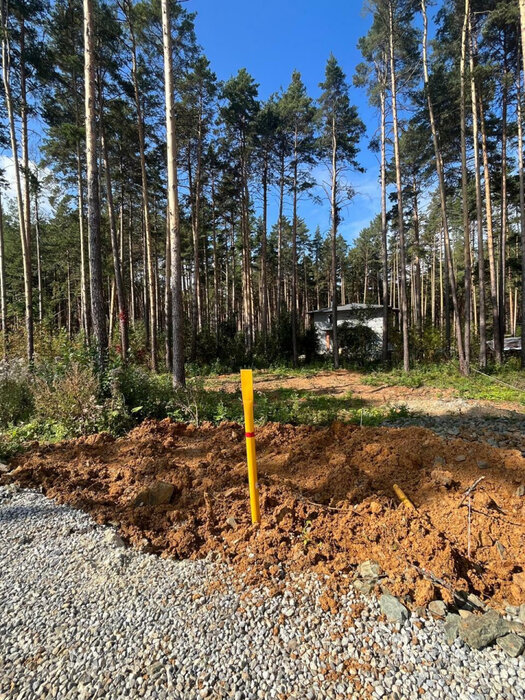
{"type": "Point", "coordinates": [470, 490]}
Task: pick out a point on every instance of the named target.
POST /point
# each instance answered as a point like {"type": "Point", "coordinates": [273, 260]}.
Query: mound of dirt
{"type": "Point", "coordinates": [327, 501]}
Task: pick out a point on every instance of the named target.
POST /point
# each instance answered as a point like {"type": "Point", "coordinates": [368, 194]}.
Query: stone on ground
{"type": "Point", "coordinates": [480, 631]}
{"type": "Point", "coordinates": [393, 609]}
{"type": "Point", "coordinates": [157, 494]}
{"type": "Point", "coordinates": [512, 644]}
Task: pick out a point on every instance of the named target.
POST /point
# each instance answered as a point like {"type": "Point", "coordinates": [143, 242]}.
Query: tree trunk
{"type": "Point", "coordinates": [168, 352]}
{"type": "Point", "coordinates": [247, 304]}
{"type": "Point", "coordinates": [334, 215]}
{"type": "Point", "coordinates": [95, 256]}
{"type": "Point", "coordinates": [264, 274]}
{"type": "Point", "coordinates": [522, 191]}
{"type": "Point", "coordinates": [69, 306]}
{"type": "Point", "coordinates": [280, 242]}
{"type": "Point", "coordinates": [3, 299]}
{"type": "Point", "coordinates": [417, 262]}
{"type": "Point", "coordinates": [84, 306]}
{"type": "Point", "coordinates": [450, 275]}
{"type": "Point", "coordinates": [399, 186]}
{"type": "Point", "coordinates": [464, 183]}
{"type": "Point", "coordinates": [26, 250]}
{"type": "Point", "coordinates": [119, 284]}
{"type": "Point", "coordinates": [498, 341]}
{"type": "Point", "coordinates": [151, 290]}
{"type": "Point", "coordinates": [503, 229]}
{"type": "Point", "coordinates": [27, 196]}
{"type": "Point", "coordinates": [38, 262]}
{"type": "Point", "coordinates": [479, 210]}
{"type": "Point", "coordinates": [179, 379]}
{"type": "Point", "coordinates": [294, 255]}
{"type": "Point", "coordinates": [216, 305]}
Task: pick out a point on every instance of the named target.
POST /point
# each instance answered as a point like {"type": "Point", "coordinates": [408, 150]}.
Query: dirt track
{"type": "Point", "coordinates": [327, 501]}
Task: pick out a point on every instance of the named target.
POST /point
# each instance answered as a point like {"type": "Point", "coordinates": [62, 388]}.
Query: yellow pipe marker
{"type": "Point", "coordinates": [249, 427]}
{"type": "Point", "coordinates": [403, 497]}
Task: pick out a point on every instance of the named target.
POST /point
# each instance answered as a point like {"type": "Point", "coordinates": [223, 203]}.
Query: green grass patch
{"type": "Point", "coordinates": [506, 383]}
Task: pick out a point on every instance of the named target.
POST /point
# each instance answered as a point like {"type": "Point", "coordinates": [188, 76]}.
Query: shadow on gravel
{"type": "Point", "coordinates": [10, 513]}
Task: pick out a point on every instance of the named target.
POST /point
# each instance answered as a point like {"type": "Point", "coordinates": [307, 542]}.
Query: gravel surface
{"type": "Point", "coordinates": [82, 616]}
{"type": "Point", "coordinates": [499, 431]}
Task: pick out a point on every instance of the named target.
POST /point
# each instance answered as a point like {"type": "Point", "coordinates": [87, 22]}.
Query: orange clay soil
{"type": "Point", "coordinates": [326, 500]}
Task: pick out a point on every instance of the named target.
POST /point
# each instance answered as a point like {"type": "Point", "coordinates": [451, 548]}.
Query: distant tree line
{"type": "Point", "coordinates": [161, 179]}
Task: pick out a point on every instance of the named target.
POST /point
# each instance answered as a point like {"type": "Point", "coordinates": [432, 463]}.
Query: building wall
{"type": "Point", "coordinates": [323, 327]}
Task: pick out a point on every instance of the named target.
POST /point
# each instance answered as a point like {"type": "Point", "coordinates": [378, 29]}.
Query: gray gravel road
{"type": "Point", "coordinates": [81, 616]}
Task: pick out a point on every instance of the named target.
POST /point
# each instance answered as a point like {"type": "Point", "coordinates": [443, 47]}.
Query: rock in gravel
{"type": "Point", "coordinates": [393, 609]}
{"type": "Point", "coordinates": [513, 610]}
{"type": "Point", "coordinates": [517, 627]}
{"type": "Point", "coordinates": [114, 539]}
{"type": "Point", "coordinates": [512, 644]}
{"type": "Point", "coordinates": [437, 608]}
{"type": "Point", "coordinates": [451, 627]}
{"type": "Point", "coordinates": [482, 464]}
{"type": "Point", "coordinates": [463, 601]}
{"type": "Point", "coordinates": [480, 631]}
{"type": "Point", "coordinates": [369, 569]}
{"type": "Point", "coordinates": [3, 468]}
{"type": "Point", "coordinates": [460, 458]}
{"type": "Point", "coordinates": [520, 491]}
{"type": "Point", "coordinates": [439, 461]}
{"type": "Point", "coordinates": [157, 494]}
{"type": "Point", "coordinates": [364, 586]}
{"type": "Point", "coordinates": [476, 602]}
{"type": "Point", "coordinates": [521, 613]}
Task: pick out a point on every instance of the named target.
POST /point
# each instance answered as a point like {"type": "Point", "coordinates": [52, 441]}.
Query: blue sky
{"type": "Point", "coordinates": [271, 38]}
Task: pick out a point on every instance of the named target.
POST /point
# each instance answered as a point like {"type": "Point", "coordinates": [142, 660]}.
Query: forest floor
{"type": "Point", "coordinates": [327, 499]}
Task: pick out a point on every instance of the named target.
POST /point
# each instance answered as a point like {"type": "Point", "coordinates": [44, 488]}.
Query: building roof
{"type": "Point", "coordinates": [349, 307]}
{"type": "Point", "coordinates": [509, 345]}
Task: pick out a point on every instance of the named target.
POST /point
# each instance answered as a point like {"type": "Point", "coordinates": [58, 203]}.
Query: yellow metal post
{"type": "Point", "coordinates": [249, 427]}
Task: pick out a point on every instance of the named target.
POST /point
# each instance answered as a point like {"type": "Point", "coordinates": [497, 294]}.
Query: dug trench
{"type": "Point", "coordinates": [327, 502]}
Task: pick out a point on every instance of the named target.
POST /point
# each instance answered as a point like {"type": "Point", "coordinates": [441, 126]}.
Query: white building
{"type": "Point", "coordinates": [370, 315]}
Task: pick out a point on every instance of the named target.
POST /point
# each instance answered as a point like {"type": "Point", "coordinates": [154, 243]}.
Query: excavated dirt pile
{"type": "Point", "coordinates": [326, 498]}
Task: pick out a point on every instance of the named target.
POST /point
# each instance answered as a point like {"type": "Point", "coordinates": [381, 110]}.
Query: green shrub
{"type": "Point", "coordinates": [16, 398]}
{"type": "Point", "coordinates": [70, 399]}
{"type": "Point", "coordinates": [143, 393]}
{"type": "Point", "coordinates": [359, 344]}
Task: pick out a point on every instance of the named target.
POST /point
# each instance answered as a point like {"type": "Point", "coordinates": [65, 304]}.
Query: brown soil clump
{"type": "Point", "coordinates": [326, 499]}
